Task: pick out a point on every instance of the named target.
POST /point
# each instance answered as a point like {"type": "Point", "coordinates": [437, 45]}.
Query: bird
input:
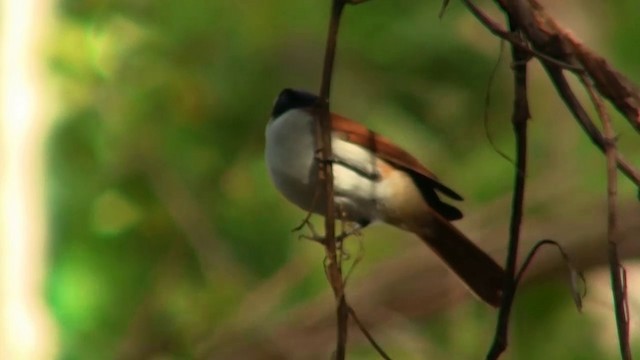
{"type": "Point", "coordinates": [374, 181]}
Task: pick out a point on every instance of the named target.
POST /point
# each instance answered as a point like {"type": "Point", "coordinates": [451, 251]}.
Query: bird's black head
{"type": "Point", "coordinates": [292, 99]}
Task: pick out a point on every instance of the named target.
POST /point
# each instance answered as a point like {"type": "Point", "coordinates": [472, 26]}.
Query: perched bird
{"type": "Point", "coordinates": [374, 180]}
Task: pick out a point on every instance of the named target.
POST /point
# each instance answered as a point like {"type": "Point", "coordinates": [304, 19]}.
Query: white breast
{"type": "Point", "coordinates": [290, 147]}
{"type": "Point", "coordinates": [290, 156]}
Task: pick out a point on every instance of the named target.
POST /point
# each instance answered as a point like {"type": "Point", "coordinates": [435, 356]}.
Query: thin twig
{"type": "Point", "coordinates": [520, 116]}
{"type": "Point", "coordinates": [515, 40]}
{"type": "Point", "coordinates": [323, 135]}
{"type": "Point", "coordinates": [443, 8]}
{"type": "Point", "coordinates": [487, 105]}
{"type": "Point", "coordinates": [355, 262]}
{"type": "Point", "coordinates": [577, 295]}
{"type": "Point", "coordinates": [571, 101]}
{"type": "Point", "coordinates": [618, 285]}
{"type": "Point", "coordinates": [552, 39]}
{"type": "Point", "coordinates": [367, 334]}
{"type": "Point", "coordinates": [554, 68]}
{"type": "Point", "coordinates": [545, 34]}
{"type": "Point", "coordinates": [623, 94]}
{"type": "Point", "coordinates": [386, 289]}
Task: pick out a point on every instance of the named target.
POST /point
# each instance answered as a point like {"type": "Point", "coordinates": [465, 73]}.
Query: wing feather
{"type": "Point", "coordinates": [422, 177]}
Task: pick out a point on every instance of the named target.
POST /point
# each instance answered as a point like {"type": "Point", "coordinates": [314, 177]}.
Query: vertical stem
{"type": "Point", "coordinates": [323, 134]}
{"type": "Point", "coordinates": [618, 281]}
{"type": "Point", "coordinates": [519, 120]}
{"type": "Point", "coordinates": [618, 278]}
{"type": "Point", "coordinates": [330, 51]}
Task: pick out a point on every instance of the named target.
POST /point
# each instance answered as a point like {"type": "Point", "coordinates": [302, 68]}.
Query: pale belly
{"type": "Point", "coordinates": [293, 170]}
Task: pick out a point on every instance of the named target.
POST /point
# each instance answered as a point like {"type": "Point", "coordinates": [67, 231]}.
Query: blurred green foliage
{"type": "Point", "coordinates": [163, 221]}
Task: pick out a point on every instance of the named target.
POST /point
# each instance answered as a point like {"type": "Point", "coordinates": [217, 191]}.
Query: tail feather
{"type": "Point", "coordinates": [482, 275]}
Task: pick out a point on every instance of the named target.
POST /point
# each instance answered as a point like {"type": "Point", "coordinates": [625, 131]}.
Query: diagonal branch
{"type": "Point", "coordinates": [367, 334]}
{"type": "Point", "coordinates": [547, 36]}
{"type": "Point", "coordinates": [566, 93]}
{"type": "Point", "coordinates": [610, 83]}
{"type": "Point", "coordinates": [557, 49]}
{"type": "Point", "coordinates": [514, 39]}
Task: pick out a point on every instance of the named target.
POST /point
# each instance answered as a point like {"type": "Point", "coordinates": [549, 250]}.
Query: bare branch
{"type": "Point", "coordinates": [618, 282]}
{"type": "Point", "coordinates": [487, 105]}
{"type": "Point", "coordinates": [574, 273]}
{"type": "Point", "coordinates": [520, 117]}
{"type": "Point", "coordinates": [367, 334]}
{"type": "Point", "coordinates": [515, 40]}
{"type": "Point", "coordinates": [550, 38]}
{"type": "Point", "coordinates": [443, 8]}
{"type": "Point", "coordinates": [610, 83]}
{"type": "Point", "coordinates": [323, 137]}
{"type": "Point", "coordinates": [557, 49]}
{"type": "Point", "coordinates": [416, 287]}
{"type": "Point", "coordinates": [566, 93]}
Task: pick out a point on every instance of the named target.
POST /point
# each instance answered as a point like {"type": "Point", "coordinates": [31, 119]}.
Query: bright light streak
{"type": "Point", "coordinates": [25, 331]}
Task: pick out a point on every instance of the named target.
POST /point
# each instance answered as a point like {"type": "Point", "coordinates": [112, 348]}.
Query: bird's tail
{"type": "Point", "coordinates": [480, 273]}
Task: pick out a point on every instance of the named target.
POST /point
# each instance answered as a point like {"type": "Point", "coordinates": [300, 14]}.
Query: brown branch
{"type": "Point", "coordinates": [515, 40]}
{"type": "Point", "coordinates": [415, 286]}
{"type": "Point", "coordinates": [323, 135]}
{"type": "Point", "coordinates": [550, 38]}
{"type": "Point", "coordinates": [368, 335]}
{"type": "Point", "coordinates": [557, 49]}
{"type": "Point", "coordinates": [578, 295]}
{"type": "Point", "coordinates": [610, 83]}
{"type": "Point", "coordinates": [567, 95]}
{"type": "Point", "coordinates": [547, 37]}
{"type": "Point", "coordinates": [618, 284]}
{"type": "Point", "coordinates": [520, 116]}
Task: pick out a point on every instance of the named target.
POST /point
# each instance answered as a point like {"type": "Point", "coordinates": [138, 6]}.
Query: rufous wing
{"type": "Point", "coordinates": [426, 181]}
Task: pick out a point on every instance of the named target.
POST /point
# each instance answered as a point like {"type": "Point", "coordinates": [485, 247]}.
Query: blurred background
{"type": "Point", "coordinates": [138, 220]}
